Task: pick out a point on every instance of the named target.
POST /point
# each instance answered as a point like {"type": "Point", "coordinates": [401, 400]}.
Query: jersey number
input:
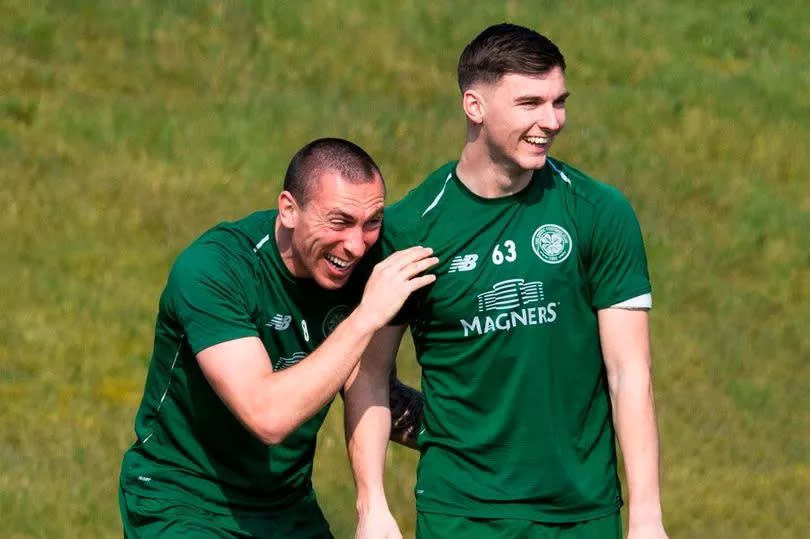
{"type": "Point", "coordinates": [511, 254]}
{"type": "Point", "coordinates": [305, 330]}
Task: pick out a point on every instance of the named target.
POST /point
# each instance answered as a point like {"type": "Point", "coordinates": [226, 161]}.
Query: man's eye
{"type": "Point", "coordinates": [373, 223]}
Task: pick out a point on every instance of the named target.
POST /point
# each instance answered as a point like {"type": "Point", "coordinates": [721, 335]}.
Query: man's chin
{"type": "Point", "coordinates": [534, 162]}
{"type": "Point", "coordinates": [332, 282]}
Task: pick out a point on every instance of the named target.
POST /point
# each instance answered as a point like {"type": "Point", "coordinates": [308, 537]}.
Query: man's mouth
{"type": "Point", "coordinates": [537, 141]}
{"type": "Point", "coordinates": [339, 263]}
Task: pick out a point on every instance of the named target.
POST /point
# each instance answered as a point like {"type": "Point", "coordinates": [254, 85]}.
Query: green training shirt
{"type": "Point", "coordinates": [229, 283]}
{"type": "Point", "coordinates": [517, 419]}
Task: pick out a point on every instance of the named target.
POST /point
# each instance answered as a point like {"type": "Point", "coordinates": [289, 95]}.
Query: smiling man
{"type": "Point", "coordinates": [260, 324]}
{"type": "Point", "coordinates": [533, 340]}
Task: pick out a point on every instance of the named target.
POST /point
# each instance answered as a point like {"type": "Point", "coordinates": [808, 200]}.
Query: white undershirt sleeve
{"type": "Point", "coordinates": [644, 301]}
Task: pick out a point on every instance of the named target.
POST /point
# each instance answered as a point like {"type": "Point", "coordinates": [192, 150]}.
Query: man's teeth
{"type": "Point", "coordinates": [537, 140]}
{"type": "Point", "coordinates": [337, 261]}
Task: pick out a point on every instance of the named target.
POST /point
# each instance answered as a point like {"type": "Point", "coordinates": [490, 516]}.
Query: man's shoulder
{"type": "Point", "coordinates": [234, 237]}
{"type": "Point", "coordinates": [419, 199]}
{"type": "Point", "coordinates": [249, 230]}
{"type": "Point", "coordinates": [596, 194]}
{"type": "Point", "coordinates": [227, 247]}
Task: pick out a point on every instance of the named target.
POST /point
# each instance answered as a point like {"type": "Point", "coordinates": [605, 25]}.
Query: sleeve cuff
{"type": "Point", "coordinates": [644, 301]}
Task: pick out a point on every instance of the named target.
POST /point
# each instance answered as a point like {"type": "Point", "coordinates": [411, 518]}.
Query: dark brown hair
{"type": "Point", "coordinates": [506, 48]}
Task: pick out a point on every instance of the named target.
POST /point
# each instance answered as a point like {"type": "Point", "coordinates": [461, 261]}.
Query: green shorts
{"type": "Point", "coordinates": [148, 517]}
{"type": "Point", "coordinates": [437, 526]}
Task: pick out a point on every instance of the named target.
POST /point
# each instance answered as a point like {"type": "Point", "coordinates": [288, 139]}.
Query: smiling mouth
{"type": "Point", "coordinates": [339, 263]}
{"type": "Point", "coordinates": [537, 141]}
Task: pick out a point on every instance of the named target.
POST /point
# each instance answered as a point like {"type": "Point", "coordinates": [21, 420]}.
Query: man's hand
{"type": "Point", "coordinates": [392, 281]}
{"type": "Point", "coordinates": [377, 524]}
{"type": "Point", "coordinates": [406, 411]}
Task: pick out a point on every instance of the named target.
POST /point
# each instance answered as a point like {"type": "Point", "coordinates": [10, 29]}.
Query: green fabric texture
{"type": "Point", "coordinates": [517, 418]}
{"type": "Point", "coordinates": [148, 518]}
{"type": "Point", "coordinates": [437, 526]}
{"type": "Point", "coordinates": [229, 283]}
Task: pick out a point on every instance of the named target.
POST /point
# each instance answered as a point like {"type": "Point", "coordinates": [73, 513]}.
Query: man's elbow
{"type": "Point", "coordinates": [271, 437]}
{"type": "Point", "coordinates": [271, 430]}
{"type": "Point", "coordinates": [629, 377]}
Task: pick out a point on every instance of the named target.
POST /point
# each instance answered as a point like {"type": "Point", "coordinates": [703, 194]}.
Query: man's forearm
{"type": "Point", "coordinates": [624, 336]}
{"type": "Point", "coordinates": [634, 416]}
{"type": "Point", "coordinates": [367, 423]}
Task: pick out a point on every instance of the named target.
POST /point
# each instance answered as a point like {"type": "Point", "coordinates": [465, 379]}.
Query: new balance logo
{"type": "Point", "coordinates": [280, 322]}
{"type": "Point", "coordinates": [287, 362]}
{"type": "Point", "coordinates": [462, 263]}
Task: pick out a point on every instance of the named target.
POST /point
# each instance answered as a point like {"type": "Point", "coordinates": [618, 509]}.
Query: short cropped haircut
{"type": "Point", "coordinates": [506, 48]}
{"type": "Point", "coordinates": [328, 154]}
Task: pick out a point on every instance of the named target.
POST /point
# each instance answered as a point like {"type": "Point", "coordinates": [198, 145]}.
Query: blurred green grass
{"type": "Point", "coordinates": [128, 128]}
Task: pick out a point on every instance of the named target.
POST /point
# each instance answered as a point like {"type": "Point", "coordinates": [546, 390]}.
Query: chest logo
{"type": "Point", "coordinates": [510, 294]}
{"type": "Point", "coordinates": [280, 322]}
{"type": "Point", "coordinates": [510, 304]}
{"type": "Point", "coordinates": [462, 263]}
{"type": "Point", "coordinates": [334, 317]}
{"type": "Point", "coordinates": [287, 362]}
{"type": "Point", "coordinates": [551, 243]}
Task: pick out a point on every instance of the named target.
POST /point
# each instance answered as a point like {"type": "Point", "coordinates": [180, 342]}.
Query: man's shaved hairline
{"type": "Point", "coordinates": [328, 155]}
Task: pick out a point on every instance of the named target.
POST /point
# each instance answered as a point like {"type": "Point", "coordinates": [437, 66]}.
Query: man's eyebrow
{"type": "Point", "coordinates": [537, 98]}
{"type": "Point", "coordinates": [339, 213]}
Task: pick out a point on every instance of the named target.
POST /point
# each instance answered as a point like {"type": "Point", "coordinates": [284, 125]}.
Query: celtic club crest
{"type": "Point", "coordinates": [551, 243]}
{"type": "Point", "coordinates": [334, 317]}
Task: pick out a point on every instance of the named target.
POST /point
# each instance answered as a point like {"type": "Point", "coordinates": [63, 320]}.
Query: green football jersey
{"type": "Point", "coordinates": [228, 284]}
{"type": "Point", "coordinates": [517, 418]}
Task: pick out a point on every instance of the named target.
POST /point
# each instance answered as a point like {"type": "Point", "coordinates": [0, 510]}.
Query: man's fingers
{"type": "Point", "coordinates": [415, 268]}
{"type": "Point", "coordinates": [400, 259]}
{"type": "Point", "coordinates": [423, 280]}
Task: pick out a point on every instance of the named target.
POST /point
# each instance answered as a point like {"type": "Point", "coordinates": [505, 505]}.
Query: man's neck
{"type": "Point", "coordinates": [488, 178]}
{"type": "Point", "coordinates": [284, 243]}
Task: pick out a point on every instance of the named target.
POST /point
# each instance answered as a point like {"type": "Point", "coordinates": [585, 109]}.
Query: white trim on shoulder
{"type": "Point", "coordinates": [644, 301]}
{"type": "Point", "coordinates": [261, 243]}
{"type": "Point", "coordinates": [558, 171]}
{"type": "Point", "coordinates": [439, 196]}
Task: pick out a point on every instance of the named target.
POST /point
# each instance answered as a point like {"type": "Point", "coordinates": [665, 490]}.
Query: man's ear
{"type": "Point", "coordinates": [473, 104]}
{"type": "Point", "coordinates": [287, 209]}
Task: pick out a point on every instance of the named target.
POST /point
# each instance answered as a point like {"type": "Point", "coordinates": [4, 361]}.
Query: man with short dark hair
{"type": "Point", "coordinates": [260, 324]}
{"type": "Point", "coordinates": [533, 341]}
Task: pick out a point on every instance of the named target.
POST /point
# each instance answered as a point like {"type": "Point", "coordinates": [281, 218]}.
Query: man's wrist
{"type": "Point", "coordinates": [645, 513]}
{"type": "Point", "coordinates": [363, 320]}
{"type": "Point", "coordinates": [368, 502]}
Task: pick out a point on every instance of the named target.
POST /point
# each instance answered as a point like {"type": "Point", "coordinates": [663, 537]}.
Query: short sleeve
{"type": "Point", "coordinates": [617, 269]}
{"type": "Point", "coordinates": [208, 293]}
{"type": "Point", "coordinates": [395, 237]}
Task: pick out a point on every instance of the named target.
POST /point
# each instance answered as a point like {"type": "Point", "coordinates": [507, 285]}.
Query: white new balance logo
{"type": "Point", "coordinates": [463, 263]}
{"type": "Point", "coordinates": [280, 322]}
{"type": "Point", "coordinates": [287, 362]}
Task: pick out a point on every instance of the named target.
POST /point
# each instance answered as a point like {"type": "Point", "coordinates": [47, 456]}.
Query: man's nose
{"type": "Point", "coordinates": [548, 119]}
{"type": "Point", "coordinates": [354, 243]}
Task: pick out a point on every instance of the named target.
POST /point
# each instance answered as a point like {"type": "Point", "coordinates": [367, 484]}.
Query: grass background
{"type": "Point", "coordinates": [129, 127]}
